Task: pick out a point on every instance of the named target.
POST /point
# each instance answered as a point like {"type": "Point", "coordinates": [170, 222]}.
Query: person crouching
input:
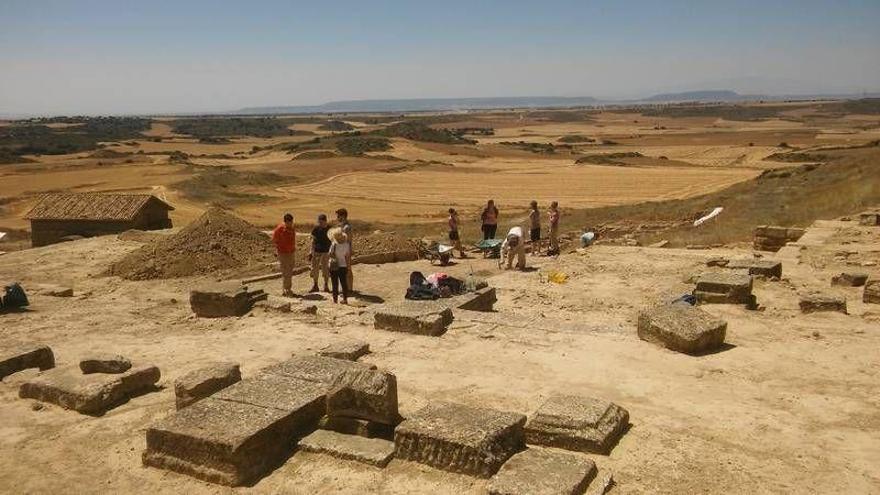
{"type": "Point", "coordinates": [514, 247]}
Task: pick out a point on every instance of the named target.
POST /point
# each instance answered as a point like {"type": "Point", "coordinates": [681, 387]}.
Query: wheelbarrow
{"type": "Point", "coordinates": [436, 251]}
{"type": "Point", "coordinates": [491, 248]}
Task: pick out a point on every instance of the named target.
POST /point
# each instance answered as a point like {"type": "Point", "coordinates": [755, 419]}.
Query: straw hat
{"type": "Point", "coordinates": [337, 234]}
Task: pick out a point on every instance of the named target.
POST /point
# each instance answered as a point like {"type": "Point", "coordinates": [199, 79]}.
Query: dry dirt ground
{"type": "Point", "coordinates": [791, 406]}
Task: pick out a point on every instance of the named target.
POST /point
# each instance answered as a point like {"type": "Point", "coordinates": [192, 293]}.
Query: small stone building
{"type": "Point", "coordinates": [57, 216]}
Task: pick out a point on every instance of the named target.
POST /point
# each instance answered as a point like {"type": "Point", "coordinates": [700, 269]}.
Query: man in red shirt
{"type": "Point", "coordinates": [284, 238]}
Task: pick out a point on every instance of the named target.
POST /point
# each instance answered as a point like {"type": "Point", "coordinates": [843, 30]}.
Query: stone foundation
{"type": "Point", "coordinates": [21, 358]}
{"type": "Point", "coordinates": [582, 424]}
{"type": "Point", "coordinates": [373, 451]}
{"type": "Point", "coordinates": [419, 317]}
{"type": "Point", "coordinates": [815, 303]}
{"type": "Point", "coordinates": [225, 300]}
{"type": "Point", "coordinates": [872, 291]}
{"type": "Point", "coordinates": [682, 328]}
{"type": "Point", "coordinates": [89, 394]}
{"type": "Point", "coordinates": [238, 434]}
{"type": "Point", "coordinates": [460, 439]}
{"type": "Point", "coordinates": [725, 288]}
{"type": "Point", "coordinates": [770, 238]}
{"type": "Point", "coordinates": [760, 268]}
{"type": "Point", "coordinates": [201, 383]}
{"type": "Point", "coordinates": [847, 279]}
{"type": "Point", "coordinates": [543, 472]}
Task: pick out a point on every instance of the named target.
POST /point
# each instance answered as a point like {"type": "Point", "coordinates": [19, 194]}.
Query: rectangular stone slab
{"type": "Point", "coordinates": [314, 368]}
{"type": "Point", "coordinates": [224, 300]}
{"type": "Point", "coordinates": [871, 219]}
{"type": "Point", "coordinates": [872, 291]}
{"type": "Point", "coordinates": [365, 394]}
{"type": "Point", "coordinates": [89, 394]}
{"type": "Point", "coordinates": [196, 385]}
{"type": "Point", "coordinates": [417, 317]}
{"type": "Point", "coordinates": [228, 443]}
{"type": "Point", "coordinates": [238, 434]}
{"type": "Point", "coordinates": [815, 303]}
{"type": "Point", "coordinates": [763, 268]}
{"type": "Point", "coordinates": [543, 472]}
{"type": "Point", "coordinates": [355, 426]}
{"type": "Point", "coordinates": [849, 279]}
{"type": "Point", "coordinates": [279, 392]}
{"type": "Point", "coordinates": [460, 439]}
{"type": "Point", "coordinates": [681, 328]}
{"type": "Point", "coordinates": [349, 351]}
{"type": "Point", "coordinates": [373, 451]}
{"type": "Point", "coordinates": [21, 358]}
{"type": "Point", "coordinates": [582, 424]}
{"type": "Point", "coordinates": [729, 288]}
{"type": "Point", "coordinates": [481, 300]}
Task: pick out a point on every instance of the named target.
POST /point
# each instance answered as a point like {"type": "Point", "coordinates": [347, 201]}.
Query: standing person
{"type": "Point", "coordinates": [345, 225]}
{"type": "Point", "coordinates": [284, 238]}
{"type": "Point", "coordinates": [553, 213]}
{"type": "Point", "coordinates": [319, 256]}
{"type": "Point", "coordinates": [514, 246]}
{"type": "Point", "coordinates": [489, 219]}
{"type": "Point", "coordinates": [340, 262]}
{"type": "Point", "coordinates": [535, 228]}
{"type": "Point", "coordinates": [454, 236]}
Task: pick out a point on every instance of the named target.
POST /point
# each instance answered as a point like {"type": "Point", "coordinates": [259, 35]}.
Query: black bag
{"type": "Point", "coordinates": [454, 285]}
{"type": "Point", "coordinates": [419, 289]}
{"type": "Point", "coordinates": [13, 297]}
{"type": "Point", "coordinates": [417, 278]}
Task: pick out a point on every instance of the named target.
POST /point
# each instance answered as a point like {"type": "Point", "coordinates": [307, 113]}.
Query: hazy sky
{"type": "Point", "coordinates": [120, 56]}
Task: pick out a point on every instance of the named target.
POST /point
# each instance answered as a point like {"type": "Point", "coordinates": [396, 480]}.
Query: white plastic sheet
{"type": "Point", "coordinates": [714, 213]}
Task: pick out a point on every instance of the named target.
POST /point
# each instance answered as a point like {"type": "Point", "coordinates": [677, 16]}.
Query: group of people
{"type": "Point", "coordinates": [332, 250]}
{"type": "Point", "coordinates": [513, 246]}
{"type": "Point", "coordinates": [330, 254]}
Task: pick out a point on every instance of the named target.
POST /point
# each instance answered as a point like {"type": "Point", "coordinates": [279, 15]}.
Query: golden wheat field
{"type": "Point", "coordinates": [626, 157]}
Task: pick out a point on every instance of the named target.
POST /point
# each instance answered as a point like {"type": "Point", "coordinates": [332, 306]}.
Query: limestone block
{"type": "Point", "coordinates": [543, 472]}
{"type": "Point", "coordinates": [23, 357]}
{"type": "Point", "coordinates": [682, 328]}
{"type": "Point", "coordinates": [373, 451]}
{"type": "Point", "coordinates": [201, 383]}
{"type": "Point", "coordinates": [582, 424]}
{"type": "Point", "coordinates": [461, 439]}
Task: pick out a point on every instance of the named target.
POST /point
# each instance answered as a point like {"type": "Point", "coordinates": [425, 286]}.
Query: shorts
{"type": "Point", "coordinates": [453, 235]}
{"type": "Point", "coordinates": [535, 234]}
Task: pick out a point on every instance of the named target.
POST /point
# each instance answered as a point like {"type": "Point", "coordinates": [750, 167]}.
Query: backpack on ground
{"type": "Point", "coordinates": [13, 297]}
{"type": "Point", "coordinates": [419, 289]}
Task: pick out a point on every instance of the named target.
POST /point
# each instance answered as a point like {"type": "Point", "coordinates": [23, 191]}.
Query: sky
{"type": "Point", "coordinates": [126, 57]}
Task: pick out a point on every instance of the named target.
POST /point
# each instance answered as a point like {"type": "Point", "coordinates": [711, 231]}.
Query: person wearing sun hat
{"type": "Point", "coordinates": [340, 263]}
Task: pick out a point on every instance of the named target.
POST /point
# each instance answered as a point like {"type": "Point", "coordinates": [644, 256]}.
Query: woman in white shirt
{"type": "Point", "coordinates": [340, 262]}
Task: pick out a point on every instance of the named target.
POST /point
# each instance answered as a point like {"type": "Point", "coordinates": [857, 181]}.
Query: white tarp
{"type": "Point", "coordinates": [711, 215]}
{"type": "Point", "coordinates": [2, 235]}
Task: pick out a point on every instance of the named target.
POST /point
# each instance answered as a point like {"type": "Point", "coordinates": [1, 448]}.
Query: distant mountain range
{"type": "Point", "coordinates": [428, 105]}
{"type": "Point", "coordinates": [452, 104]}
{"type": "Point", "coordinates": [698, 96]}
{"type": "Point", "coordinates": [489, 103]}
